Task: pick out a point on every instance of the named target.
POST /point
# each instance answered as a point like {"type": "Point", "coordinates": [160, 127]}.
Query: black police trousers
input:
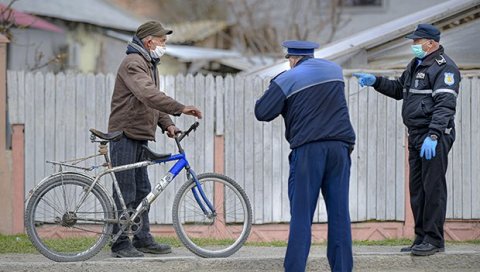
{"type": "Point", "coordinates": [428, 188]}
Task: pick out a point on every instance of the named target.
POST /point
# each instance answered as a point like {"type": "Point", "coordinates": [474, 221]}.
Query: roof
{"type": "Point", "coordinates": [186, 53]}
{"type": "Point", "coordinates": [194, 53]}
{"type": "Point", "coordinates": [195, 31]}
{"type": "Point", "coordinates": [95, 12]}
{"type": "Point", "coordinates": [27, 20]}
{"type": "Point", "coordinates": [378, 35]}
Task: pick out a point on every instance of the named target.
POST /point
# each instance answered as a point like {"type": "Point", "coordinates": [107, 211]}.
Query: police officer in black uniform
{"type": "Point", "coordinates": [429, 88]}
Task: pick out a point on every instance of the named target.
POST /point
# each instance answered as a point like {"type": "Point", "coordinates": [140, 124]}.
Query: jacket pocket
{"type": "Point", "coordinates": [427, 106]}
{"type": "Point", "coordinates": [417, 111]}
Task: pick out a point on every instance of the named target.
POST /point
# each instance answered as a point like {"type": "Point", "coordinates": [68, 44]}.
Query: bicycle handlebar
{"type": "Point", "coordinates": [193, 127]}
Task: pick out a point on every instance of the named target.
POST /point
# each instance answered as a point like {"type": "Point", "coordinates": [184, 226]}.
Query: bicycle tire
{"type": "Point", "coordinates": [56, 236]}
{"type": "Point", "coordinates": [188, 229]}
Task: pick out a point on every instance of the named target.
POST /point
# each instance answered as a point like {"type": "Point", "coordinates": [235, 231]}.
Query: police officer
{"type": "Point", "coordinates": [429, 88]}
{"type": "Point", "coordinates": [310, 97]}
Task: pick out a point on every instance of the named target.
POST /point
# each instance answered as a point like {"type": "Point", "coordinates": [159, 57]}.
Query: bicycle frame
{"type": "Point", "coordinates": [181, 163]}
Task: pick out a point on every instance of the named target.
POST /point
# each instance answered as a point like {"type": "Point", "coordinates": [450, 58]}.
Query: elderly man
{"type": "Point", "coordinates": [138, 106]}
{"type": "Point", "coordinates": [429, 88]}
{"type": "Point", "coordinates": [310, 97]}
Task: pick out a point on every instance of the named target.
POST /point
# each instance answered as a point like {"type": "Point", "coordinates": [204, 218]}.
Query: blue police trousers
{"type": "Point", "coordinates": [319, 165]}
{"type": "Point", "coordinates": [134, 185]}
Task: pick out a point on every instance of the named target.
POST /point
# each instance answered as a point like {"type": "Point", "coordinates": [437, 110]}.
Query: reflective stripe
{"type": "Point", "coordinates": [415, 91]}
{"type": "Point", "coordinates": [317, 83]}
{"type": "Point", "coordinates": [444, 91]}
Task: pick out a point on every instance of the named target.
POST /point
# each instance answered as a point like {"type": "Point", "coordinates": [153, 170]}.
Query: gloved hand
{"type": "Point", "coordinates": [365, 79]}
{"type": "Point", "coordinates": [428, 148]}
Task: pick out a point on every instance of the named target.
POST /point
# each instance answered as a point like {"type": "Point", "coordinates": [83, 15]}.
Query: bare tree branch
{"type": "Point", "coordinates": [262, 25]}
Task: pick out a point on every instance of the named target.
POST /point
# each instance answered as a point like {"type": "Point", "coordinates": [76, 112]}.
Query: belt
{"type": "Point", "coordinates": [447, 131]}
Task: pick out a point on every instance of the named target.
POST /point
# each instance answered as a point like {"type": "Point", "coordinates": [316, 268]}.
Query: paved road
{"type": "Point", "coordinates": [367, 258]}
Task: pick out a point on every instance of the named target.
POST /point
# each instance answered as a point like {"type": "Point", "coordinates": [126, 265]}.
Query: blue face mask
{"type": "Point", "coordinates": [418, 50]}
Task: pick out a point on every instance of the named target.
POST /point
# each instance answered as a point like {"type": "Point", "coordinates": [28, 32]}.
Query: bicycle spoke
{"type": "Point", "coordinates": [60, 233]}
{"type": "Point", "coordinates": [191, 223]}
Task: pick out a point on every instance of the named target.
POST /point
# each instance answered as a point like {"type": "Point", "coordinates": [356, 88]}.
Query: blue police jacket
{"type": "Point", "coordinates": [311, 99]}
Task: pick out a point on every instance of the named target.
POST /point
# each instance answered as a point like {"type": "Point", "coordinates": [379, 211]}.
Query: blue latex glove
{"type": "Point", "coordinates": [428, 148]}
{"type": "Point", "coordinates": [365, 79]}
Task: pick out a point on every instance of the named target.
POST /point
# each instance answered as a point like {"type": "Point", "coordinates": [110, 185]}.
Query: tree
{"type": "Point", "coordinates": [7, 20]}
{"type": "Point", "coordinates": [259, 27]}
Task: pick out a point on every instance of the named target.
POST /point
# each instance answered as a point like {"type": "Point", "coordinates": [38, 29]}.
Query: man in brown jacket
{"type": "Point", "coordinates": [138, 106]}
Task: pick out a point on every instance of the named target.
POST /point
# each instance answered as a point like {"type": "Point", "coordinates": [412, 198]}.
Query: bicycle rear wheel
{"type": "Point", "coordinates": [61, 232]}
{"type": "Point", "coordinates": [217, 235]}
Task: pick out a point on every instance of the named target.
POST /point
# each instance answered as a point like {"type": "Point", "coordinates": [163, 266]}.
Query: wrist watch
{"type": "Point", "coordinates": [434, 137]}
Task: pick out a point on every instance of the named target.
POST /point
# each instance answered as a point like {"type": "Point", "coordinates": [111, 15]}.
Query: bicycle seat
{"type": "Point", "coordinates": [112, 136]}
{"type": "Point", "coordinates": [152, 155]}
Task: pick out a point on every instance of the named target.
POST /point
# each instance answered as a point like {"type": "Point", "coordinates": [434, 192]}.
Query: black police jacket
{"type": "Point", "coordinates": [429, 89]}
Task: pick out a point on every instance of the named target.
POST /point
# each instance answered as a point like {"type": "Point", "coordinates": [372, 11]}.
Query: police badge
{"type": "Point", "coordinates": [449, 79]}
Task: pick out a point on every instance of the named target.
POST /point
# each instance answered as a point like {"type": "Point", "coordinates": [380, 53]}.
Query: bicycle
{"type": "Point", "coordinates": [77, 211]}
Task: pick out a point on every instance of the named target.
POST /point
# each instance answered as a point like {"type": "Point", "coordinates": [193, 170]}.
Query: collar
{"type": "Point", "coordinates": [434, 57]}
{"type": "Point", "coordinates": [302, 60]}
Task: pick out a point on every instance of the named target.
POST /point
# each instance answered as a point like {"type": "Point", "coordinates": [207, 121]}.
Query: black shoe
{"type": "Point", "coordinates": [426, 249]}
{"type": "Point", "coordinates": [129, 252]}
{"type": "Point", "coordinates": [155, 248]}
{"type": "Point", "coordinates": [409, 248]}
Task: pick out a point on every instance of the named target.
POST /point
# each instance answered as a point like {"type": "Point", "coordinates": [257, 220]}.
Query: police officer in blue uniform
{"type": "Point", "coordinates": [429, 88]}
{"type": "Point", "coordinates": [311, 99]}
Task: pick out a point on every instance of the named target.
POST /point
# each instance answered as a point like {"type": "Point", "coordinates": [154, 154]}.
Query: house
{"type": "Point", "coordinates": [196, 47]}
{"type": "Point", "coordinates": [81, 43]}
{"type": "Point", "coordinates": [384, 46]}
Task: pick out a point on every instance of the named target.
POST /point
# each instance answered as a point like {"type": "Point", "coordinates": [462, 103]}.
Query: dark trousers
{"type": "Point", "coordinates": [134, 185]}
{"type": "Point", "coordinates": [428, 188]}
{"type": "Point", "coordinates": [315, 166]}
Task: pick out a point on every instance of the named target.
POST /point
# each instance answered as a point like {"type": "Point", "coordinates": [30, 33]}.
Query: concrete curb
{"type": "Point", "coordinates": [254, 259]}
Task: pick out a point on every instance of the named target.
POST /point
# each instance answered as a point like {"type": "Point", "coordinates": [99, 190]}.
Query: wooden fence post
{"type": "Point", "coordinates": [6, 183]}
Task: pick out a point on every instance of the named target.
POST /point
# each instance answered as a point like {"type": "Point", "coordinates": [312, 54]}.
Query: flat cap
{"type": "Point", "coordinates": [299, 48]}
{"type": "Point", "coordinates": [425, 31]}
{"type": "Point", "coordinates": [152, 28]}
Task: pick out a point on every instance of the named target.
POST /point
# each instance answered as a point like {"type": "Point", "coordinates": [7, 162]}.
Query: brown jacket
{"type": "Point", "coordinates": [138, 105]}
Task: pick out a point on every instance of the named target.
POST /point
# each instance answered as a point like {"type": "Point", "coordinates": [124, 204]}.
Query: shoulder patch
{"type": "Point", "coordinates": [449, 79]}
{"type": "Point", "coordinates": [440, 60]}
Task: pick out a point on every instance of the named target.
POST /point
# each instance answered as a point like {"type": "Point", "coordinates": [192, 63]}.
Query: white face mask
{"type": "Point", "coordinates": [158, 52]}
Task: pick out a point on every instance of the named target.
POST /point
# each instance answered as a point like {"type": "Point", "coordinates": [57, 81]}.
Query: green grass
{"type": "Point", "coordinates": [15, 244]}
{"type": "Point", "coordinates": [21, 243]}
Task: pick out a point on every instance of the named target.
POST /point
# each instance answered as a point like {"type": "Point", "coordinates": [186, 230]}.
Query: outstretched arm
{"type": "Point", "coordinates": [271, 104]}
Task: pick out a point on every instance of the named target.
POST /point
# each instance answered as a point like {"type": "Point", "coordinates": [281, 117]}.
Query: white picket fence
{"type": "Point", "coordinates": [58, 110]}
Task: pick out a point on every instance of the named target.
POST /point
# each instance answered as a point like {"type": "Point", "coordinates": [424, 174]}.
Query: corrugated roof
{"type": "Point", "coordinates": [186, 53]}
{"type": "Point", "coordinates": [197, 54]}
{"type": "Point", "coordinates": [195, 31]}
{"type": "Point", "coordinates": [380, 34]}
{"type": "Point", "coordinates": [96, 12]}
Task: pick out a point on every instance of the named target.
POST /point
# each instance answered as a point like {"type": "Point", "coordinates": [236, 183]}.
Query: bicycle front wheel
{"type": "Point", "coordinates": [212, 235]}
{"type": "Point", "coordinates": [61, 227]}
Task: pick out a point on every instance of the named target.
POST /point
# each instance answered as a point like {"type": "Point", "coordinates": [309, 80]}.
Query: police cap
{"type": "Point", "coordinates": [425, 31]}
{"type": "Point", "coordinates": [299, 48]}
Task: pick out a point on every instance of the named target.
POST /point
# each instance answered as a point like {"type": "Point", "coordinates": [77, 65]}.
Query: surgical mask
{"type": "Point", "coordinates": [418, 50]}
{"type": "Point", "coordinates": [158, 52]}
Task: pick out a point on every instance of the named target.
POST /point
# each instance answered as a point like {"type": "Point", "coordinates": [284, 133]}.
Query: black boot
{"type": "Point", "coordinates": [129, 252]}
{"type": "Point", "coordinates": [409, 248]}
{"type": "Point", "coordinates": [426, 249]}
{"type": "Point", "coordinates": [154, 248]}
